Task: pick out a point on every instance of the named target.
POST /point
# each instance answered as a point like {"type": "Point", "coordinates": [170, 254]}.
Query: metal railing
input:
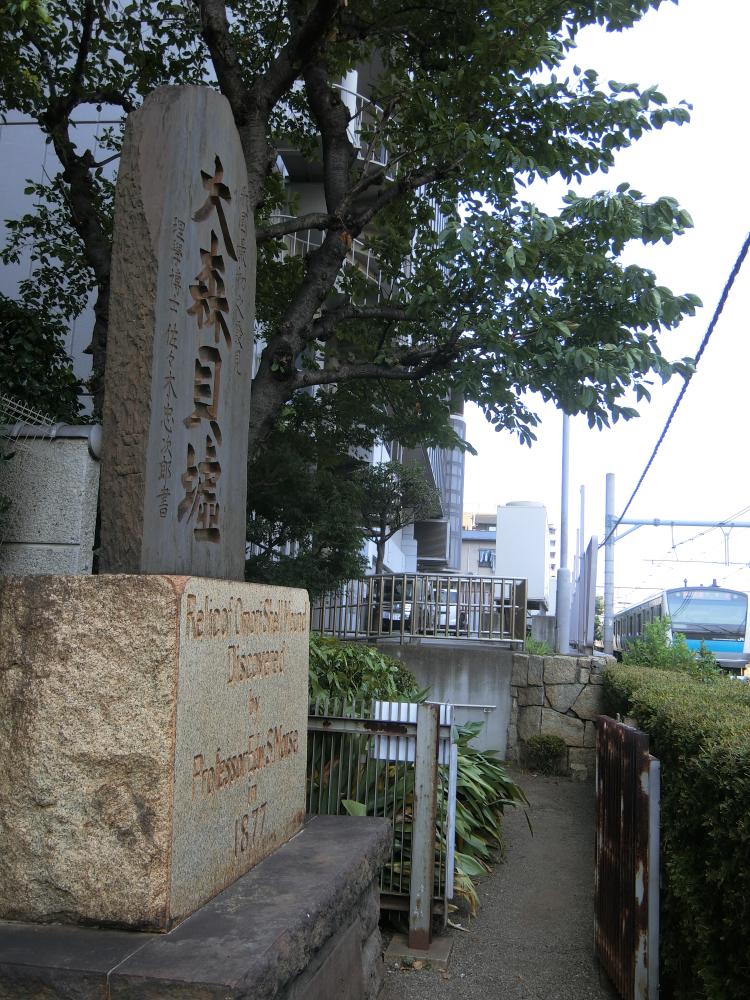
{"type": "Point", "coordinates": [426, 606]}
{"type": "Point", "coordinates": [626, 876]}
{"type": "Point", "coordinates": [381, 759]}
{"type": "Point", "coordinates": [364, 125]}
{"type": "Point", "coordinates": [359, 255]}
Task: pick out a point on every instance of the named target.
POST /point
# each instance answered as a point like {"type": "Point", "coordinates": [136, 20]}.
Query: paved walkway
{"type": "Point", "coordinates": [533, 936]}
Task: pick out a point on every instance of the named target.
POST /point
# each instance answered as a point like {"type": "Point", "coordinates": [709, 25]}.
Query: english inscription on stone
{"type": "Point", "coordinates": [152, 738]}
{"type": "Point", "coordinates": [177, 388]}
{"type": "Point", "coordinates": [241, 734]}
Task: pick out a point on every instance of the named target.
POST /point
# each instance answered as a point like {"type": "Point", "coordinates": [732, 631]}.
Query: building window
{"type": "Point", "coordinates": [487, 557]}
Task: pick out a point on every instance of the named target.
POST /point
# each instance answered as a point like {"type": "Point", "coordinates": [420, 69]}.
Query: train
{"type": "Point", "coordinates": [714, 615]}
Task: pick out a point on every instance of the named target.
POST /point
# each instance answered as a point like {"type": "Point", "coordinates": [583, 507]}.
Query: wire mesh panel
{"type": "Point", "coordinates": [361, 761]}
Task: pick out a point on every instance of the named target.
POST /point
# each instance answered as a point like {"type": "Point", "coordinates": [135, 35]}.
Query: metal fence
{"type": "Point", "coordinates": [397, 761]}
{"type": "Point", "coordinates": [403, 606]}
{"type": "Point", "coordinates": [626, 887]}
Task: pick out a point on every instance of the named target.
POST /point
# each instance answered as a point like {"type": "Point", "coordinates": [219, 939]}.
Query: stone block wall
{"type": "Point", "coordinates": [557, 696]}
{"type": "Point", "coordinates": [52, 481]}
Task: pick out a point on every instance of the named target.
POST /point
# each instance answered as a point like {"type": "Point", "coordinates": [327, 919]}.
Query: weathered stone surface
{"type": "Point", "coordinates": [596, 678]}
{"type": "Point", "coordinates": [561, 696]}
{"type": "Point", "coordinates": [590, 702]}
{"type": "Point", "coordinates": [520, 674]}
{"type": "Point", "coordinates": [536, 670]}
{"type": "Point", "coordinates": [567, 728]}
{"type": "Point", "coordinates": [583, 675]}
{"type": "Point", "coordinates": [589, 734]}
{"type": "Point", "coordinates": [53, 484]}
{"type": "Point", "coordinates": [179, 348]}
{"type": "Point", "coordinates": [583, 757]}
{"type": "Point", "coordinates": [276, 929]}
{"type": "Point", "coordinates": [530, 696]}
{"type": "Point", "coordinates": [152, 741]}
{"type": "Point", "coordinates": [529, 722]}
{"type": "Point", "coordinates": [560, 670]}
{"type": "Point", "coordinates": [372, 965]}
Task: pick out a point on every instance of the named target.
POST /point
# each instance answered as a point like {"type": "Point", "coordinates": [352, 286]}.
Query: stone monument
{"type": "Point", "coordinates": [153, 719]}
{"type": "Point", "coordinates": [153, 760]}
{"type": "Point", "coordinates": [180, 343]}
{"type": "Point", "coordinates": [167, 696]}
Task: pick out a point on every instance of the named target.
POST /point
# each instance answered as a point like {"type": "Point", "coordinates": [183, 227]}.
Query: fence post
{"type": "Point", "coordinates": [423, 827]}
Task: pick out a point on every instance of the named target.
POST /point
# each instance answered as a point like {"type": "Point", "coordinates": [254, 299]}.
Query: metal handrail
{"type": "Point", "coordinates": [411, 606]}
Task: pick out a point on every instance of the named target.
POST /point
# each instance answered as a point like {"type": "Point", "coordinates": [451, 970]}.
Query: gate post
{"type": "Point", "coordinates": [423, 827]}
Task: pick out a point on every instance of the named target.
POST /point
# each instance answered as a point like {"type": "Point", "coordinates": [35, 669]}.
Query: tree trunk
{"type": "Point", "coordinates": [380, 559]}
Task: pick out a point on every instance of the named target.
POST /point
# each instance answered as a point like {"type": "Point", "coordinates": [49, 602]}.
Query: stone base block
{"type": "Point", "coordinates": [152, 742]}
{"type": "Point", "coordinates": [437, 956]}
{"type": "Point", "coordinates": [294, 927]}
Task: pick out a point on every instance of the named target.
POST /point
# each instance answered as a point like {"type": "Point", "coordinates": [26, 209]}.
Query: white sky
{"type": "Point", "coordinates": [695, 51]}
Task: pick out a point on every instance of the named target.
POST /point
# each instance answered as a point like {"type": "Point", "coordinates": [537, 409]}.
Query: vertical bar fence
{"type": "Point", "coordinates": [397, 761]}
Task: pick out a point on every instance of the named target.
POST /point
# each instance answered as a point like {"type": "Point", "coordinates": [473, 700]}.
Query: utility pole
{"type": "Point", "coordinates": [562, 601]}
{"type": "Point", "coordinates": [608, 633]}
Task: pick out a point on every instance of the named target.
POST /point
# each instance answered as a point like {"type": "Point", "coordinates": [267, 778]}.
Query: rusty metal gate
{"type": "Point", "coordinates": [626, 884]}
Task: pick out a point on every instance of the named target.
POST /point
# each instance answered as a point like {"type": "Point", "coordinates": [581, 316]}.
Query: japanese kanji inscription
{"type": "Point", "coordinates": [180, 349]}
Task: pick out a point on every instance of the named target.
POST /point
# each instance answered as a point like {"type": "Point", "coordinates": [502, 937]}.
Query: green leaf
{"type": "Point", "coordinates": [354, 808]}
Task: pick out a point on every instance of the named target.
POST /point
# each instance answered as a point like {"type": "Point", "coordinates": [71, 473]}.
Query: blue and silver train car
{"type": "Point", "coordinates": [713, 615]}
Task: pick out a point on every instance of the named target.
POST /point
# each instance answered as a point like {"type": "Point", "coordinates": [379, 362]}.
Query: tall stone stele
{"type": "Point", "coordinates": [180, 343]}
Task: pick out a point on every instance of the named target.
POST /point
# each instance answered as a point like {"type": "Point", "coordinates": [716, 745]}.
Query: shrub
{"type": "Point", "coordinates": [353, 671]}
{"type": "Point", "coordinates": [656, 648]}
{"type": "Point", "coordinates": [37, 369]}
{"type": "Point", "coordinates": [545, 753]}
{"type": "Point", "coordinates": [701, 733]}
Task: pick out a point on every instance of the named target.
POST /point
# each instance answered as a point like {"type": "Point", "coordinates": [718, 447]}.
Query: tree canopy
{"type": "Point", "coordinates": [466, 105]}
{"type": "Point", "coordinates": [392, 496]}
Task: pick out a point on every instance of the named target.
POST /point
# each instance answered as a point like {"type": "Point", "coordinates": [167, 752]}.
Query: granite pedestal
{"type": "Point", "coordinates": [302, 925]}
{"type": "Point", "coordinates": [152, 742]}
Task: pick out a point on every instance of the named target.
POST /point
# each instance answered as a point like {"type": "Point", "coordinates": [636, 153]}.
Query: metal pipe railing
{"type": "Point", "coordinates": [406, 606]}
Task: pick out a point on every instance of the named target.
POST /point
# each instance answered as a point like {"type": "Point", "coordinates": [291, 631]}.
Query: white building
{"type": "Point", "coordinates": [523, 548]}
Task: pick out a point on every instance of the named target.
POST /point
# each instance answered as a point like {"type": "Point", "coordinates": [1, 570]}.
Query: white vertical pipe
{"type": "Point", "coordinates": [609, 566]}
{"type": "Point", "coordinates": [562, 603]}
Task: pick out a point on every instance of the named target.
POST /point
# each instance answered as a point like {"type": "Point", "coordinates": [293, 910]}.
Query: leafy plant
{"type": "Point", "coordinates": [37, 369]}
{"type": "Point", "coordinates": [355, 672]}
{"type": "Point", "coordinates": [484, 791]}
{"type": "Point", "coordinates": [545, 753]}
{"type": "Point", "coordinates": [537, 647]}
{"type": "Point", "coordinates": [344, 678]}
{"type": "Point", "coordinates": [669, 651]}
{"type": "Point", "coordinates": [701, 734]}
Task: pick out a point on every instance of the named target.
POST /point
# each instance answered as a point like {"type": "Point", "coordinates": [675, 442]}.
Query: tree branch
{"type": "Point", "coordinates": [314, 220]}
{"type": "Point", "coordinates": [215, 31]}
{"type": "Point", "coordinates": [322, 329]}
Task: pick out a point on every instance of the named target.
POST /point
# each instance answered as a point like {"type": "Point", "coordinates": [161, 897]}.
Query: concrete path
{"type": "Point", "coordinates": [533, 936]}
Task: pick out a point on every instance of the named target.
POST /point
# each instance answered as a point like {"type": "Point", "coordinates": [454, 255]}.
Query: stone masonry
{"type": "Point", "coordinates": [557, 696]}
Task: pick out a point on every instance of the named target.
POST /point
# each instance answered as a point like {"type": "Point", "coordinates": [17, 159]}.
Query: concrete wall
{"type": "Point", "coordinates": [464, 674]}
{"type": "Point", "coordinates": [52, 482]}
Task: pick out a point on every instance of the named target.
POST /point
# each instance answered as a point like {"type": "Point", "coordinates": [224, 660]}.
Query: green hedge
{"type": "Point", "coordinates": [700, 730]}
